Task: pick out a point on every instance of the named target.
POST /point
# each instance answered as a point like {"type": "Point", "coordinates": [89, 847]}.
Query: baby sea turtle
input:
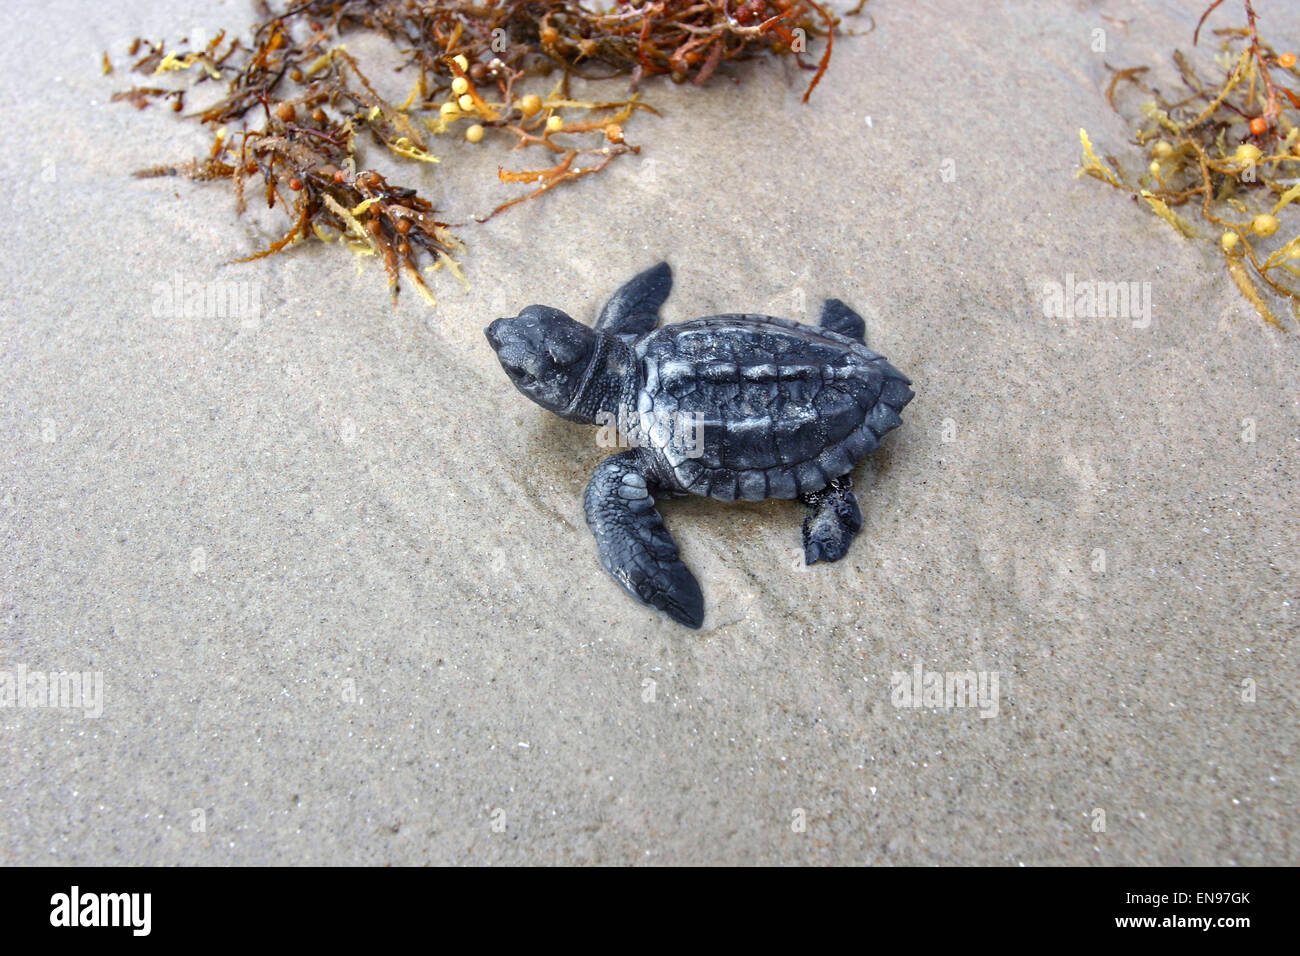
{"type": "Point", "coordinates": [728, 406]}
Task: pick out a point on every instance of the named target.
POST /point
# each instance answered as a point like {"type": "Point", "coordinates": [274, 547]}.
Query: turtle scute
{"type": "Point", "coordinates": [784, 407]}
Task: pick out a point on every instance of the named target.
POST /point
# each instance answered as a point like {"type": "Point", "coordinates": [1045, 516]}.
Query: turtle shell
{"type": "Point", "coordinates": [753, 407]}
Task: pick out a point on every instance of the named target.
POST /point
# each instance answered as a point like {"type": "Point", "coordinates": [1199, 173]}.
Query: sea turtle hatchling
{"type": "Point", "coordinates": [728, 406]}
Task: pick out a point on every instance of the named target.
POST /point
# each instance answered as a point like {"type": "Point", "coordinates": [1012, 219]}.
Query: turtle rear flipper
{"type": "Point", "coordinates": [838, 317]}
{"type": "Point", "coordinates": [633, 544]}
{"type": "Point", "coordinates": [634, 308]}
{"type": "Point", "coordinates": [833, 519]}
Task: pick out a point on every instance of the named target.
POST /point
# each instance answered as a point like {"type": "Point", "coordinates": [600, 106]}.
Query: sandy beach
{"type": "Point", "coordinates": [333, 571]}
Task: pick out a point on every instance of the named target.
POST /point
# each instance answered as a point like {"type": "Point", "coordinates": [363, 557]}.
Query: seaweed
{"type": "Point", "coordinates": [1231, 147]}
{"type": "Point", "coordinates": [296, 100]}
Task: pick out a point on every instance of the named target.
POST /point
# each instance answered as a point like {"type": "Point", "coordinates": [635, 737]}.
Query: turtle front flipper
{"type": "Point", "coordinates": [633, 544]}
{"type": "Point", "coordinates": [833, 519]}
{"type": "Point", "coordinates": [634, 308]}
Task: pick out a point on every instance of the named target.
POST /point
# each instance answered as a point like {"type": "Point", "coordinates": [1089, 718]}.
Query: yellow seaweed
{"type": "Point", "coordinates": [1247, 287]}
{"type": "Point", "coordinates": [1091, 164]}
{"type": "Point", "coordinates": [1161, 209]}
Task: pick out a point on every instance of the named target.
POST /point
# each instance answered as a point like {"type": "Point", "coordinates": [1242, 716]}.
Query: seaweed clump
{"type": "Point", "coordinates": [296, 100]}
{"type": "Point", "coordinates": [1231, 147]}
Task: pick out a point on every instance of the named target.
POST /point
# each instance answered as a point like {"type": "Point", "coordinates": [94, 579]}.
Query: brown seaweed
{"type": "Point", "coordinates": [296, 100]}
{"type": "Point", "coordinates": [1230, 147]}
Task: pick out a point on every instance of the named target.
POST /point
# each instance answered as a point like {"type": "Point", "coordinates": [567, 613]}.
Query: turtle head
{"type": "Point", "coordinates": [545, 353]}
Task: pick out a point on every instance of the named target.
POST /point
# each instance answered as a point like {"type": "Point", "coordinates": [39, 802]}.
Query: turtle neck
{"type": "Point", "coordinates": [608, 382]}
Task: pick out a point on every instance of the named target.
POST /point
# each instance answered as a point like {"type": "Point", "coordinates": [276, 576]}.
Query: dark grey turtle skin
{"type": "Point", "coordinates": [728, 406]}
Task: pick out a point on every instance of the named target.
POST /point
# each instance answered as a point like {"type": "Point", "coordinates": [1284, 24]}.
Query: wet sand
{"type": "Point", "coordinates": [334, 572]}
